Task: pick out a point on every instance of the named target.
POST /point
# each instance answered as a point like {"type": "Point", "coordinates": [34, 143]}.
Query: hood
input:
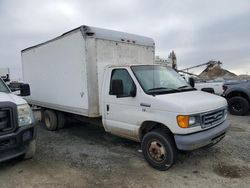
{"type": "Point", "coordinates": [8, 97]}
{"type": "Point", "coordinates": [190, 102]}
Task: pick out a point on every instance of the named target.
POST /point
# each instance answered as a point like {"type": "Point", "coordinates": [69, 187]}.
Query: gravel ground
{"type": "Point", "coordinates": [83, 155]}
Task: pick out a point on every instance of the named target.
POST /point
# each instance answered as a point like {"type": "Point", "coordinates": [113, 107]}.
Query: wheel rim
{"type": "Point", "coordinates": [157, 151]}
{"type": "Point", "coordinates": [237, 107]}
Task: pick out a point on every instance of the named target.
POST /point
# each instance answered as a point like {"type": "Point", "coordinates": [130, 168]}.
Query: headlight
{"type": "Point", "coordinates": [185, 121]}
{"type": "Point", "coordinates": [24, 115]}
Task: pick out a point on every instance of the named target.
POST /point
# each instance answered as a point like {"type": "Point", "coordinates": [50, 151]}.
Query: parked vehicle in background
{"type": "Point", "coordinates": [211, 86]}
{"type": "Point", "coordinates": [238, 97]}
{"type": "Point", "coordinates": [90, 73]}
{"type": "Point", "coordinates": [5, 74]}
{"type": "Point", "coordinates": [215, 86]}
{"type": "Point", "coordinates": [17, 128]}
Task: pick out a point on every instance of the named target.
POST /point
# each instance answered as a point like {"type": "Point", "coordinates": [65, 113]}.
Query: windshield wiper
{"type": "Point", "coordinates": [187, 88]}
{"type": "Point", "coordinates": [181, 87]}
{"type": "Point", "coordinates": [161, 89]}
{"type": "Point", "coordinates": [157, 88]}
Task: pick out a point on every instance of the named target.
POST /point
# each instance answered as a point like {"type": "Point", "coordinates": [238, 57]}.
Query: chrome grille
{"type": "Point", "coordinates": [212, 118]}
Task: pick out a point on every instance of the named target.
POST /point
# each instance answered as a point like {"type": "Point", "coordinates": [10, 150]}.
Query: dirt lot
{"type": "Point", "coordinates": [83, 155]}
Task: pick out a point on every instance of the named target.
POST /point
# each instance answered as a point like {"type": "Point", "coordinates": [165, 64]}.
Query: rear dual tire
{"type": "Point", "coordinates": [60, 120]}
{"type": "Point", "coordinates": [54, 120]}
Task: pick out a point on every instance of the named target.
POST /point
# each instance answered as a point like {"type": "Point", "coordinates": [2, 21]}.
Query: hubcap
{"type": "Point", "coordinates": [236, 107]}
{"type": "Point", "coordinates": [157, 151]}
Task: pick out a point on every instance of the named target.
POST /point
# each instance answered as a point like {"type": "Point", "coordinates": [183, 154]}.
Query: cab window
{"type": "Point", "coordinates": [125, 79]}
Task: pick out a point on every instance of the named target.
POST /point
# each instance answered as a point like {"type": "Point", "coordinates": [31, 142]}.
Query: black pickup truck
{"type": "Point", "coordinates": [238, 97]}
{"type": "Point", "coordinates": [17, 125]}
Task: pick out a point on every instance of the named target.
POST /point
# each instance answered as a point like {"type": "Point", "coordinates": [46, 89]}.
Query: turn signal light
{"type": "Point", "coordinates": [183, 121]}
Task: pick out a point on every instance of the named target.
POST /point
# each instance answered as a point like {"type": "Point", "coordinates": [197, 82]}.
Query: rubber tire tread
{"type": "Point", "coordinates": [53, 120]}
{"type": "Point", "coordinates": [60, 120]}
{"type": "Point", "coordinates": [244, 104]}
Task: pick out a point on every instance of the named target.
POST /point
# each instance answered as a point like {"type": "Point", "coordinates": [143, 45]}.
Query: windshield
{"type": "Point", "coordinates": [3, 87]}
{"type": "Point", "coordinates": [155, 79]}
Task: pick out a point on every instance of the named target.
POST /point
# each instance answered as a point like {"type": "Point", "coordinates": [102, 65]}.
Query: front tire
{"type": "Point", "coordinates": [238, 106]}
{"type": "Point", "coordinates": [159, 149]}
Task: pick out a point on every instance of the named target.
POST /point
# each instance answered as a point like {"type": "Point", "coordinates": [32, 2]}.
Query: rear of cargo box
{"type": "Point", "coordinates": [56, 72]}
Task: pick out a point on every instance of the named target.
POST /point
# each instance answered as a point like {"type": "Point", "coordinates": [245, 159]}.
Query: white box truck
{"type": "Point", "coordinates": [93, 72]}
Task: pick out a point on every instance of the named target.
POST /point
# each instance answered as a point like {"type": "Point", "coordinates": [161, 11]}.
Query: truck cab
{"type": "Point", "coordinates": [17, 127]}
{"type": "Point", "coordinates": [154, 105]}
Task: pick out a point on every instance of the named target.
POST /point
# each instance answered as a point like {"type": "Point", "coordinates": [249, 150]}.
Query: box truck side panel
{"type": "Point", "coordinates": [119, 53]}
{"type": "Point", "coordinates": [56, 72]}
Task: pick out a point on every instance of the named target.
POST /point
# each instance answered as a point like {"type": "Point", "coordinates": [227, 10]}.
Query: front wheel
{"type": "Point", "coordinates": [159, 150]}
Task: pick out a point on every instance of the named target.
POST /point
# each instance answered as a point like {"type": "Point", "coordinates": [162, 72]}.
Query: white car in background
{"type": "Point", "coordinates": [215, 85]}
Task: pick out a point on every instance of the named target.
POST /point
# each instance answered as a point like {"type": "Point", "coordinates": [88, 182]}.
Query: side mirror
{"type": "Point", "coordinates": [116, 88]}
{"type": "Point", "coordinates": [191, 82]}
{"type": "Point", "coordinates": [24, 90]}
{"type": "Point", "coordinates": [6, 78]}
{"type": "Point", "coordinates": [14, 86]}
{"type": "Point", "coordinates": [133, 91]}
{"type": "Point", "coordinates": [208, 89]}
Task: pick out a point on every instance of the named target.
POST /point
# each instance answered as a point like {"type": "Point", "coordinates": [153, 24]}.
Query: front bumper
{"type": "Point", "coordinates": [201, 139]}
{"type": "Point", "coordinates": [15, 144]}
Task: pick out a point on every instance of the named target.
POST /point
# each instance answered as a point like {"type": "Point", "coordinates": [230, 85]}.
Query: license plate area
{"type": "Point", "coordinates": [216, 139]}
{"type": "Point", "coordinates": [7, 143]}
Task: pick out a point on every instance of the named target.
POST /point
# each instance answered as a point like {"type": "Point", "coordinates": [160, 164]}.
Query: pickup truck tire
{"type": "Point", "coordinates": [60, 120]}
{"type": "Point", "coordinates": [238, 106]}
{"type": "Point", "coordinates": [50, 120]}
{"type": "Point", "coordinates": [159, 149]}
{"type": "Point", "coordinates": [31, 150]}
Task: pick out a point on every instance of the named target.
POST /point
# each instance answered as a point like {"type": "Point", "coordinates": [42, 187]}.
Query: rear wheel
{"type": "Point", "coordinates": [238, 105]}
{"type": "Point", "coordinates": [60, 119]}
{"type": "Point", "coordinates": [50, 120]}
{"type": "Point", "coordinates": [159, 149]}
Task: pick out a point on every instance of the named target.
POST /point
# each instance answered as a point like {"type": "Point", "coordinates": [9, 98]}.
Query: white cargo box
{"type": "Point", "coordinates": [66, 73]}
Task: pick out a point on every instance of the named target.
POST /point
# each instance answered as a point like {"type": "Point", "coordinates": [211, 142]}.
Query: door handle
{"type": "Point", "coordinates": [107, 106]}
{"type": "Point", "coordinates": [145, 104]}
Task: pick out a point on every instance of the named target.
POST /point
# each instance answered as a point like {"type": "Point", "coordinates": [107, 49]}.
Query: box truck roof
{"type": "Point", "coordinates": [105, 34]}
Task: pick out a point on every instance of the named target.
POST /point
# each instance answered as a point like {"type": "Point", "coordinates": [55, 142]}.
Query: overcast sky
{"type": "Point", "coordinates": [196, 30]}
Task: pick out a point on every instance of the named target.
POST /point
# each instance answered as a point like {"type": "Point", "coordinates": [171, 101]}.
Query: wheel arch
{"type": "Point", "coordinates": [148, 125]}
{"type": "Point", "coordinates": [238, 93]}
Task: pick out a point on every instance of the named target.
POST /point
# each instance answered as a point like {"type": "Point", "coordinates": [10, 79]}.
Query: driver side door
{"type": "Point", "coordinates": [121, 111]}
